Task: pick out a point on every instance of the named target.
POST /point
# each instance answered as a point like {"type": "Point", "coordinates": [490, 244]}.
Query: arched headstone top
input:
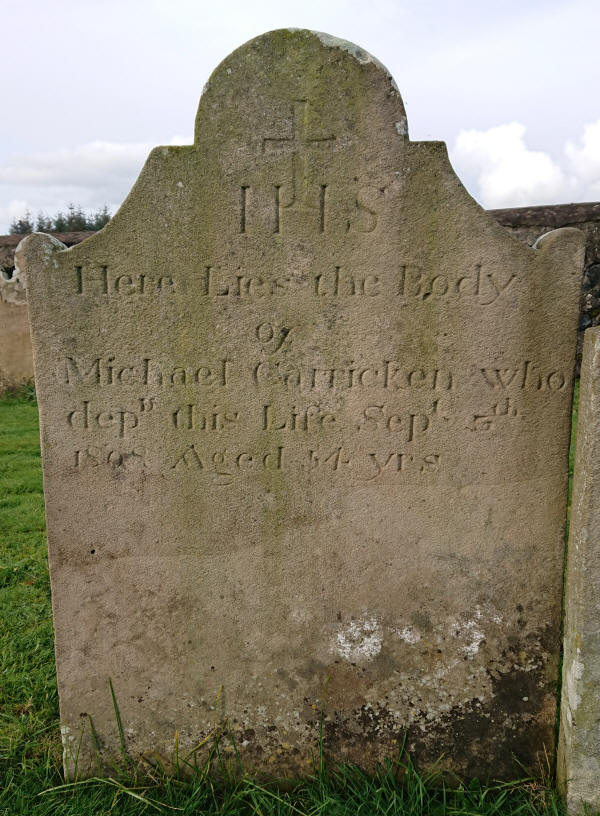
{"type": "Point", "coordinates": [302, 86]}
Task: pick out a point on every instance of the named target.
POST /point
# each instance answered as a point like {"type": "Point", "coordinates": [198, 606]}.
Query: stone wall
{"type": "Point", "coordinates": [525, 223]}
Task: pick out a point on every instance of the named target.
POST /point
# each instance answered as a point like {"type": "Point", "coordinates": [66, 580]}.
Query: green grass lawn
{"type": "Point", "coordinates": [30, 754]}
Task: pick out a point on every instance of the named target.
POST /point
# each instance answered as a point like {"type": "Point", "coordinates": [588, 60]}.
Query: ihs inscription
{"type": "Point", "coordinates": [298, 144]}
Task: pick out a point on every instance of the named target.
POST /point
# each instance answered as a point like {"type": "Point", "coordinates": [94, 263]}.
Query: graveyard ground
{"type": "Point", "coordinates": [30, 753]}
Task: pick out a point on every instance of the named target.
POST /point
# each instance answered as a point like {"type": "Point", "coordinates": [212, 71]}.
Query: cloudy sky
{"type": "Point", "coordinates": [91, 85]}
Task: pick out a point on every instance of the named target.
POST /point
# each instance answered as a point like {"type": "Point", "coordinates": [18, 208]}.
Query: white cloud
{"type": "Point", "coordinates": [89, 175]}
{"type": "Point", "coordinates": [97, 163]}
{"type": "Point", "coordinates": [16, 208]}
{"type": "Point", "coordinates": [506, 172]}
{"type": "Point", "coordinates": [502, 170]}
{"type": "Point", "coordinates": [584, 161]}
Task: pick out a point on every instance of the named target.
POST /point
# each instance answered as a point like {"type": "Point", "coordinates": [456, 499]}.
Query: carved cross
{"type": "Point", "coordinates": [298, 143]}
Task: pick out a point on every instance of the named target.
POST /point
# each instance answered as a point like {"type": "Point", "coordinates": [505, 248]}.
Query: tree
{"type": "Point", "coordinates": [43, 223]}
{"type": "Point", "coordinates": [59, 223]}
{"type": "Point", "coordinates": [99, 219]}
{"type": "Point", "coordinates": [74, 220]}
{"type": "Point", "coordinates": [22, 226]}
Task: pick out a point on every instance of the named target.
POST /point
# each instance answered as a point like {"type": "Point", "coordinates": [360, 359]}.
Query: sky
{"type": "Point", "coordinates": [90, 86]}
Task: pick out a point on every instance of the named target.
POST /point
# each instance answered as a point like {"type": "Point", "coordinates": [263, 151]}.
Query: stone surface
{"type": "Point", "coordinates": [579, 744]}
{"type": "Point", "coordinates": [16, 361]}
{"type": "Point", "coordinates": [305, 417]}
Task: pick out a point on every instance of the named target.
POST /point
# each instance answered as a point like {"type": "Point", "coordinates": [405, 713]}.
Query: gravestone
{"type": "Point", "coordinates": [579, 744]}
{"type": "Point", "coordinates": [16, 362]}
{"type": "Point", "coordinates": [305, 417]}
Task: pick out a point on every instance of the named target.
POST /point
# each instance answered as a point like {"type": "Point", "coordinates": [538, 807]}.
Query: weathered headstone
{"type": "Point", "coordinates": [579, 745]}
{"type": "Point", "coordinates": [305, 417]}
{"type": "Point", "coordinates": [16, 362]}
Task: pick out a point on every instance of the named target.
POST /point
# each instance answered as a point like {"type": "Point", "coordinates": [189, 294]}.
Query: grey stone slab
{"type": "Point", "coordinates": [16, 361]}
{"type": "Point", "coordinates": [305, 417]}
{"type": "Point", "coordinates": [579, 744]}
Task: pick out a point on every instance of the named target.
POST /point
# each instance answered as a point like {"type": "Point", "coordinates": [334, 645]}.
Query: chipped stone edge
{"type": "Point", "coordinates": [360, 55]}
{"type": "Point", "coordinates": [42, 243]}
{"type": "Point", "coordinates": [329, 41]}
{"type": "Point", "coordinates": [356, 51]}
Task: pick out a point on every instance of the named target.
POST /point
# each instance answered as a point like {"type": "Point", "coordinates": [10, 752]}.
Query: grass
{"type": "Point", "coordinates": [31, 779]}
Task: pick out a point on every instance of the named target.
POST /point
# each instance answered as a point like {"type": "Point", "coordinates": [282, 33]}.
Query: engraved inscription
{"type": "Point", "coordinates": [272, 337]}
{"type": "Point", "coordinates": [488, 420]}
{"type": "Point", "coordinates": [525, 377]}
{"type": "Point", "coordinates": [311, 418]}
{"type": "Point", "coordinates": [223, 466]}
{"type": "Point", "coordinates": [407, 424]}
{"type": "Point", "coordinates": [394, 436]}
{"type": "Point", "coordinates": [107, 371]}
{"type": "Point", "coordinates": [366, 216]}
{"type": "Point", "coordinates": [396, 463]}
{"type": "Point", "coordinates": [409, 283]}
{"type": "Point", "coordinates": [85, 418]}
{"type": "Point", "coordinates": [102, 281]}
{"type": "Point", "coordinates": [243, 200]}
{"type": "Point", "coordinates": [483, 287]}
{"type": "Point", "coordinates": [94, 456]}
{"type": "Point", "coordinates": [193, 417]}
{"type": "Point", "coordinates": [386, 374]}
